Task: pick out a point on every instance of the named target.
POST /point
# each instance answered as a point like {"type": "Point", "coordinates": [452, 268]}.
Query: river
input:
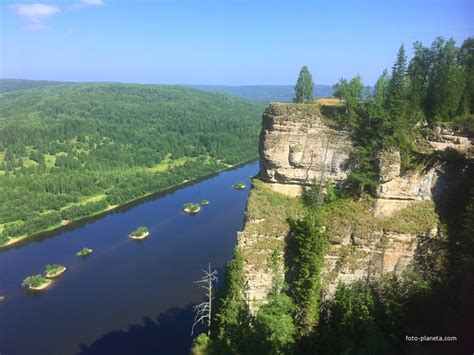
{"type": "Point", "coordinates": [127, 297]}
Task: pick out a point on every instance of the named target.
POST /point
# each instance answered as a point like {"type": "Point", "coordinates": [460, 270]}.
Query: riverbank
{"type": "Point", "coordinates": [56, 273]}
{"type": "Point", "coordinates": [139, 237]}
{"type": "Point", "coordinates": [42, 286]}
{"type": "Point", "coordinates": [13, 241]}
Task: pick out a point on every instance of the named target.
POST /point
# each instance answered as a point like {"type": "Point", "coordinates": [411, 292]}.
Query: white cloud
{"type": "Point", "coordinates": [92, 2]}
{"type": "Point", "coordinates": [35, 13]}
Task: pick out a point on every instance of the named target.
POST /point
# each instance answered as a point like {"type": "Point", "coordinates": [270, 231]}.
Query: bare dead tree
{"type": "Point", "coordinates": [203, 310]}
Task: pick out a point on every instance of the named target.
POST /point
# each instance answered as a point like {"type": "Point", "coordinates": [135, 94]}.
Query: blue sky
{"type": "Point", "coordinates": [228, 42]}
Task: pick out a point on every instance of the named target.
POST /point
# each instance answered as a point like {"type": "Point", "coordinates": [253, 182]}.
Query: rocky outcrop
{"type": "Point", "coordinates": [367, 239]}
{"type": "Point", "coordinates": [383, 252]}
{"type": "Point", "coordinates": [298, 146]}
{"type": "Point", "coordinates": [396, 190]}
{"type": "Point", "coordinates": [444, 137]}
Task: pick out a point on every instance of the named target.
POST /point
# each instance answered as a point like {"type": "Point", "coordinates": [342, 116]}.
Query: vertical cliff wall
{"type": "Point", "coordinates": [367, 238]}
{"type": "Point", "coordinates": [297, 146]}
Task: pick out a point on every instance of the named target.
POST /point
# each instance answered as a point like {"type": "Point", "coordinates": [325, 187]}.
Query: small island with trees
{"type": "Point", "coordinates": [204, 202]}
{"type": "Point", "coordinates": [84, 252]}
{"type": "Point", "coordinates": [140, 233]}
{"type": "Point", "coordinates": [36, 282]}
{"type": "Point", "coordinates": [54, 270]}
{"type": "Point", "coordinates": [239, 185]}
{"type": "Point", "coordinates": [191, 208]}
{"type": "Point", "coordinates": [2, 298]}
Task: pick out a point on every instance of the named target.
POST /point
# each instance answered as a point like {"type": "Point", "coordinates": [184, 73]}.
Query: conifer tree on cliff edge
{"type": "Point", "coordinates": [304, 86]}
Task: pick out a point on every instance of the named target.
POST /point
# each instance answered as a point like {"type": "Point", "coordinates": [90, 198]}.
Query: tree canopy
{"type": "Point", "coordinates": [304, 86]}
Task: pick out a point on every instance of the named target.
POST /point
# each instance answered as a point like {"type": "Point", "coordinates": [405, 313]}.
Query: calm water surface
{"type": "Point", "coordinates": [127, 297]}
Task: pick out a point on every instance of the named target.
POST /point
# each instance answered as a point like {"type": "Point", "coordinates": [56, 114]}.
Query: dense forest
{"type": "Point", "coordinates": [432, 297]}
{"type": "Point", "coordinates": [68, 151]}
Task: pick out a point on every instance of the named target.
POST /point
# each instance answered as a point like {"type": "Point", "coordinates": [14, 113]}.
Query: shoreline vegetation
{"type": "Point", "coordinates": [84, 252]}
{"type": "Point", "coordinates": [55, 270]}
{"type": "Point", "coordinates": [13, 240]}
{"type": "Point", "coordinates": [36, 282]}
{"type": "Point", "coordinates": [140, 233]}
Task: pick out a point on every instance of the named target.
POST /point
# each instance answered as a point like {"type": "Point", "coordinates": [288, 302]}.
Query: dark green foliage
{"type": "Point", "coordinates": [201, 345]}
{"type": "Point", "coordinates": [34, 281]}
{"type": "Point", "coordinates": [467, 63]}
{"type": "Point", "coordinates": [351, 94]}
{"type": "Point", "coordinates": [348, 324]}
{"type": "Point", "coordinates": [70, 151]}
{"type": "Point", "coordinates": [231, 319]}
{"type": "Point", "coordinates": [446, 82]}
{"type": "Point", "coordinates": [307, 244]}
{"type": "Point", "coordinates": [80, 211]}
{"type": "Point", "coordinates": [139, 231]}
{"type": "Point", "coordinates": [304, 86]}
{"type": "Point", "coordinates": [273, 329]}
{"type": "Point", "coordinates": [396, 103]}
{"type": "Point", "coordinates": [319, 193]}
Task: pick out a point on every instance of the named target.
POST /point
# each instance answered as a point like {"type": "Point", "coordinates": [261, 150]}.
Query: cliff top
{"type": "Point", "coordinates": [292, 111]}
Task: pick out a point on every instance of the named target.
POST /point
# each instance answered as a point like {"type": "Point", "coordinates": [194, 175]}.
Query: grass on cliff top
{"type": "Point", "coordinates": [272, 206]}
{"type": "Point", "coordinates": [346, 216]}
{"type": "Point", "coordinates": [268, 210]}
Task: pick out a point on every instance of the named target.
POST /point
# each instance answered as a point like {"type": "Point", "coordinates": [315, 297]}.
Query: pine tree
{"type": "Point", "coordinates": [467, 63]}
{"type": "Point", "coordinates": [446, 81]}
{"type": "Point", "coordinates": [396, 98]}
{"type": "Point", "coordinates": [304, 86]}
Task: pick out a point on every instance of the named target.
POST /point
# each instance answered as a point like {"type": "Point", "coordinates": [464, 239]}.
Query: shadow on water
{"type": "Point", "coordinates": [168, 334]}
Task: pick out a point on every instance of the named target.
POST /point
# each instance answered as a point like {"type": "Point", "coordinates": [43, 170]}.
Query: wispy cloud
{"type": "Point", "coordinates": [35, 14]}
{"type": "Point", "coordinates": [92, 2]}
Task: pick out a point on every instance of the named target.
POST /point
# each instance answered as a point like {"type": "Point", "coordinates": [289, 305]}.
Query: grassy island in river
{"type": "Point", "coordinates": [239, 185]}
{"type": "Point", "coordinates": [140, 233]}
{"type": "Point", "coordinates": [36, 282]}
{"type": "Point", "coordinates": [204, 202]}
{"type": "Point", "coordinates": [191, 208]}
{"type": "Point", "coordinates": [84, 252]}
{"type": "Point", "coordinates": [54, 270]}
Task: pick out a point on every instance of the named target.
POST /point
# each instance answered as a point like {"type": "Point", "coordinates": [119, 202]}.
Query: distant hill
{"type": "Point", "coordinates": [260, 93]}
{"type": "Point", "coordinates": [264, 93]}
{"type": "Point", "coordinates": [7, 85]}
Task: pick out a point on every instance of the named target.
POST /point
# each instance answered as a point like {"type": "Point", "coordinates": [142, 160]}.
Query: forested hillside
{"type": "Point", "coordinates": [67, 151]}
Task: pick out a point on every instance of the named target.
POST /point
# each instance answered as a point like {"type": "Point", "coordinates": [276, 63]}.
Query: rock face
{"type": "Point", "coordinates": [396, 191]}
{"type": "Point", "coordinates": [371, 257]}
{"type": "Point", "coordinates": [296, 147]}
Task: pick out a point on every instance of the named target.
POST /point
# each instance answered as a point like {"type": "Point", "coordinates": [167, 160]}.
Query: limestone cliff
{"type": "Point", "coordinates": [369, 237]}
{"type": "Point", "coordinates": [297, 146]}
